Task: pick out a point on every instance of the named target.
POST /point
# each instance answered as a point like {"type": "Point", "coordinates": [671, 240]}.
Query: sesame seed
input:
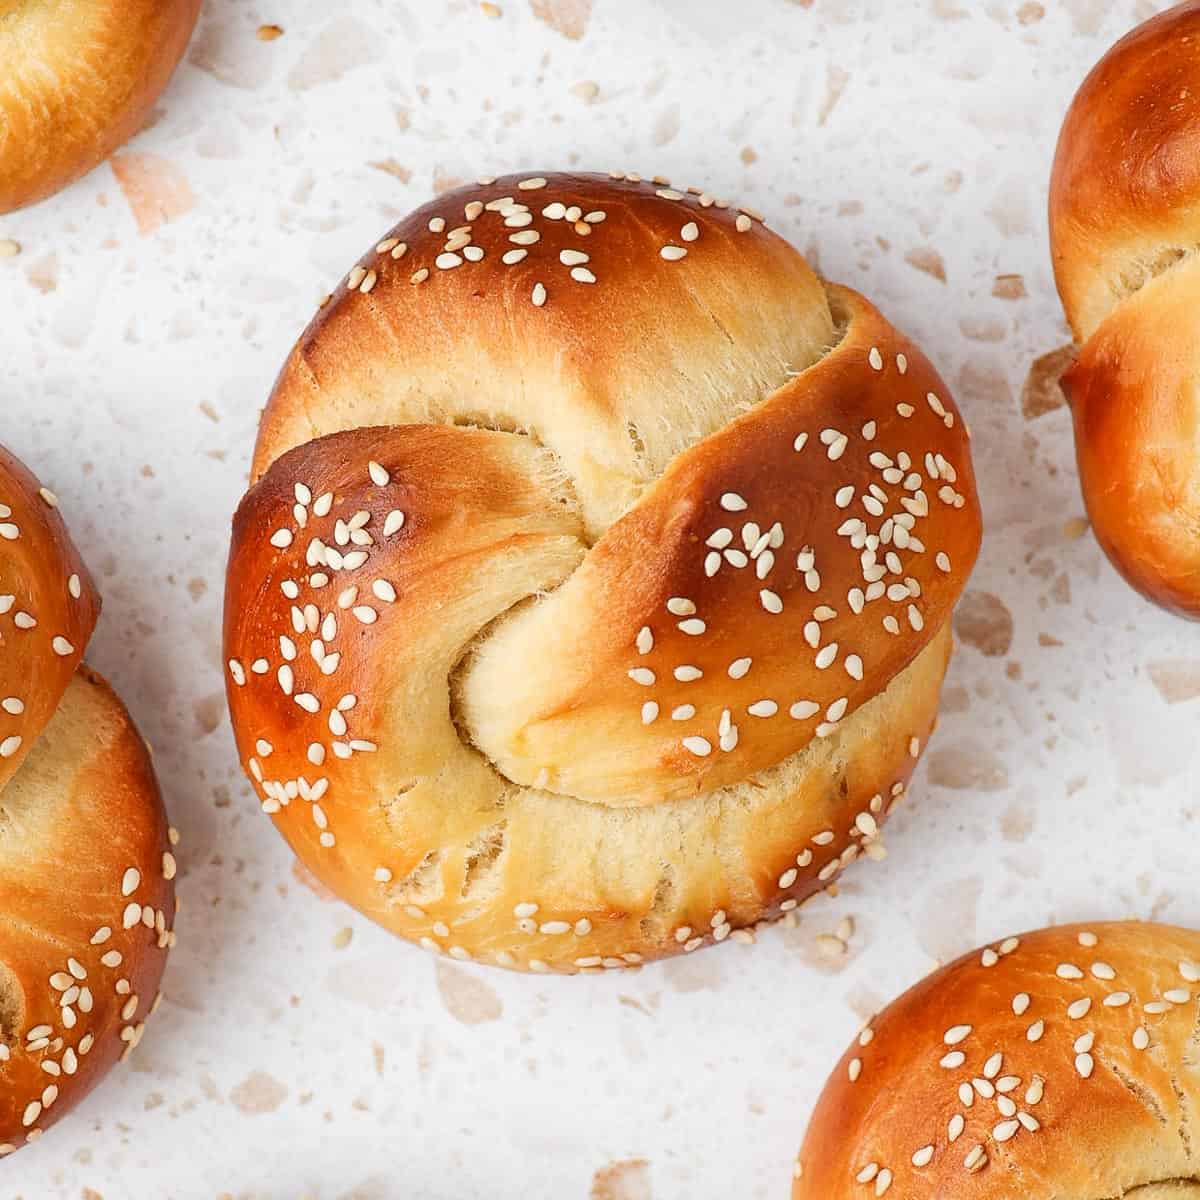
{"type": "Point", "coordinates": [698, 746]}
{"type": "Point", "coordinates": [649, 712]}
{"type": "Point", "coordinates": [688, 674]}
{"type": "Point", "coordinates": [642, 675]}
{"type": "Point", "coordinates": [739, 667]}
{"type": "Point", "coordinates": [803, 709]}
{"type": "Point", "coordinates": [763, 708]}
{"type": "Point", "coordinates": [742, 223]}
{"type": "Point", "coordinates": [530, 185]}
{"type": "Point", "coordinates": [732, 502]}
{"type": "Point", "coordinates": [1141, 1038]}
{"type": "Point", "coordinates": [956, 1034]}
{"type": "Point", "coordinates": [539, 295]}
{"type": "Point", "coordinates": [875, 359]}
{"type": "Point", "coordinates": [826, 656]}
{"type": "Point", "coordinates": [572, 258]}
{"type": "Point", "coordinates": [379, 476]}
{"type": "Point", "coordinates": [582, 275]}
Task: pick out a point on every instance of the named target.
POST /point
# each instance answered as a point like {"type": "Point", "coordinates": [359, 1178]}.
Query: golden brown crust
{"type": "Point", "coordinates": [48, 609]}
{"type": "Point", "coordinates": [522, 698]}
{"type": "Point", "coordinates": [77, 79]}
{"type": "Point", "coordinates": [1125, 228]}
{"type": "Point", "coordinates": [1059, 1065]}
{"type": "Point", "coordinates": [1137, 432]}
{"type": "Point", "coordinates": [83, 844]}
{"type": "Point", "coordinates": [86, 898]}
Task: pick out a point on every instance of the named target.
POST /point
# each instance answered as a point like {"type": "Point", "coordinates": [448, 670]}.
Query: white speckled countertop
{"type": "Point", "coordinates": [905, 145]}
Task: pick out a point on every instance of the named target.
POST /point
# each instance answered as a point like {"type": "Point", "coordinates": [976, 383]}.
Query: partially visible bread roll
{"type": "Point", "coordinates": [77, 79]}
{"type": "Point", "coordinates": [592, 601]}
{"type": "Point", "coordinates": [86, 894]}
{"type": "Point", "coordinates": [1124, 232]}
{"type": "Point", "coordinates": [1058, 1065]}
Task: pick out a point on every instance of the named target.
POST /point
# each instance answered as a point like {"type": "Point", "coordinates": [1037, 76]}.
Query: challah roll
{"type": "Point", "coordinates": [1124, 227]}
{"type": "Point", "coordinates": [591, 602]}
{"type": "Point", "coordinates": [86, 898]}
{"type": "Point", "coordinates": [77, 79]}
{"type": "Point", "coordinates": [1059, 1065]}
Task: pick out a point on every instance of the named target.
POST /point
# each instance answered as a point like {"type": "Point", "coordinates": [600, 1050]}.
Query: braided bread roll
{"type": "Point", "coordinates": [1058, 1065]}
{"type": "Point", "coordinates": [85, 863]}
{"type": "Point", "coordinates": [591, 602]}
{"type": "Point", "coordinates": [78, 79]}
{"type": "Point", "coordinates": [1124, 225]}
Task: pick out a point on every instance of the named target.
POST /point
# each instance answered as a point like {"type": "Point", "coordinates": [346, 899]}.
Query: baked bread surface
{"type": "Point", "coordinates": [1062, 1064]}
{"type": "Point", "coordinates": [77, 80]}
{"type": "Point", "coordinates": [1124, 229]}
{"type": "Point", "coordinates": [86, 869]}
{"type": "Point", "coordinates": [591, 601]}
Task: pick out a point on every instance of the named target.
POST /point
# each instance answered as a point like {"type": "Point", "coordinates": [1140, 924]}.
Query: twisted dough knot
{"type": "Point", "coordinates": [1124, 228]}
{"type": "Point", "coordinates": [85, 864]}
{"type": "Point", "coordinates": [592, 600]}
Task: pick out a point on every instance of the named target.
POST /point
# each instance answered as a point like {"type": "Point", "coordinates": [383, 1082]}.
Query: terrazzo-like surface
{"type": "Point", "coordinates": [905, 146]}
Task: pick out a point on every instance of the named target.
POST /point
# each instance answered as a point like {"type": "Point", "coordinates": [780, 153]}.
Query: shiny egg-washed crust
{"type": "Point", "coordinates": [48, 610]}
{"type": "Point", "coordinates": [83, 837]}
{"type": "Point", "coordinates": [78, 79]}
{"type": "Point", "coordinates": [1124, 231]}
{"type": "Point", "coordinates": [1077, 1051]}
{"type": "Point", "coordinates": [574, 635]}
